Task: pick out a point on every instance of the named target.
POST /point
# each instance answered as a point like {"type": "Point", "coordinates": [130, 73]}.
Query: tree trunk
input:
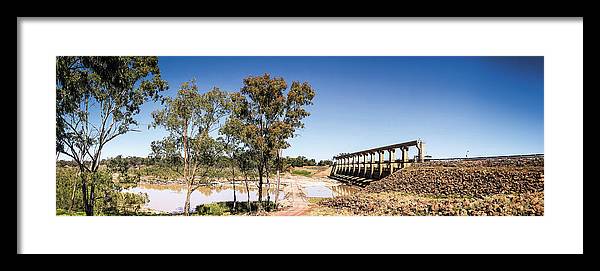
{"type": "Point", "coordinates": [73, 194]}
{"type": "Point", "coordinates": [85, 196]}
{"type": "Point", "coordinates": [277, 190]}
{"type": "Point", "coordinates": [186, 207]}
{"type": "Point", "coordinates": [92, 198]}
{"type": "Point", "coordinates": [268, 188]}
{"type": "Point", "coordinates": [234, 197]}
{"type": "Point", "coordinates": [260, 182]}
{"type": "Point", "coordinates": [233, 181]}
{"type": "Point", "coordinates": [247, 192]}
{"type": "Point", "coordinates": [278, 167]}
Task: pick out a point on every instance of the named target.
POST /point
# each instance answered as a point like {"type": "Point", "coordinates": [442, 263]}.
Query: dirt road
{"type": "Point", "coordinates": [295, 202]}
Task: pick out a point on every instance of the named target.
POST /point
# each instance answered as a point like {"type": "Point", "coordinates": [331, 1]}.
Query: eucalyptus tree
{"type": "Point", "coordinates": [246, 161]}
{"type": "Point", "coordinates": [97, 98]}
{"type": "Point", "coordinates": [269, 117]}
{"type": "Point", "coordinates": [189, 118]}
{"type": "Point", "coordinates": [121, 165]}
{"type": "Point", "coordinates": [233, 147]}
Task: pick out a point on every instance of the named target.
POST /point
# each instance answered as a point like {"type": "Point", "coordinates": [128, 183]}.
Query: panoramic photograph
{"type": "Point", "coordinates": [299, 136]}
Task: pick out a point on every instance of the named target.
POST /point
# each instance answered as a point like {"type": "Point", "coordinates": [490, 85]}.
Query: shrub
{"type": "Point", "coordinates": [301, 172]}
{"type": "Point", "coordinates": [225, 208]}
{"type": "Point", "coordinates": [217, 208]}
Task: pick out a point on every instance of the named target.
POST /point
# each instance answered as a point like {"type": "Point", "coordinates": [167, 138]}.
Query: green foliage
{"type": "Point", "coordinates": [166, 152]}
{"type": "Point", "coordinates": [268, 117]}
{"type": "Point", "coordinates": [68, 189]}
{"type": "Point", "coordinates": [64, 212]}
{"type": "Point", "coordinates": [66, 163]}
{"type": "Point", "coordinates": [97, 98]}
{"type": "Point", "coordinates": [301, 172]}
{"type": "Point", "coordinates": [189, 118]}
{"type": "Point", "coordinates": [299, 161]}
{"type": "Point", "coordinates": [226, 208]}
{"type": "Point", "coordinates": [217, 209]}
{"type": "Point", "coordinates": [114, 88]}
{"type": "Point", "coordinates": [121, 166]}
{"type": "Point", "coordinates": [264, 117]}
{"type": "Point", "coordinates": [130, 161]}
{"type": "Point", "coordinates": [160, 172]}
{"type": "Point", "coordinates": [109, 198]}
{"type": "Point", "coordinates": [325, 163]}
{"type": "Point", "coordinates": [116, 203]}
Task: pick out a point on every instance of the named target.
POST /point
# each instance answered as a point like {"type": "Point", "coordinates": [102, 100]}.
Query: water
{"type": "Point", "coordinates": [319, 191]}
{"type": "Point", "coordinates": [171, 198]}
{"type": "Point", "coordinates": [323, 191]}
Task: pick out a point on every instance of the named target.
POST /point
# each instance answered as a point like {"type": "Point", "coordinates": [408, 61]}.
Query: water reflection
{"type": "Point", "coordinates": [318, 191]}
{"type": "Point", "coordinates": [343, 190]}
{"type": "Point", "coordinates": [322, 191]}
{"type": "Point", "coordinates": [171, 197]}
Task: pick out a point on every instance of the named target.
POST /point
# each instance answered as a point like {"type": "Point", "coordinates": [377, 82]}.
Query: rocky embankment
{"type": "Point", "coordinates": [497, 186]}
{"type": "Point", "coordinates": [475, 179]}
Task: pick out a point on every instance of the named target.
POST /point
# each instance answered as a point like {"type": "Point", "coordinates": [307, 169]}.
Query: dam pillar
{"type": "Point", "coordinates": [348, 165]}
{"type": "Point", "coordinates": [333, 167]}
{"type": "Point", "coordinates": [421, 147]}
{"type": "Point", "coordinates": [357, 164]}
{"type": "Point", "coordinates": [371, 165]}
{"type": "Point", "coordinates": [360, 164]}
{"type": "Point", "coordinates": [380, 163]}
{"type": "Point", "coordinates": [404, 156]}
{"type": "Point", "coordinates": [354, 165]}
{"type": "Point", "coordinates": [364, 166]}
{"type": "Point", "coordinates": [391, 162]}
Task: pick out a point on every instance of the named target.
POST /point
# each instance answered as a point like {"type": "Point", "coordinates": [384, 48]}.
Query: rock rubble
{"type": "Point", "coordinates": [497, 186]}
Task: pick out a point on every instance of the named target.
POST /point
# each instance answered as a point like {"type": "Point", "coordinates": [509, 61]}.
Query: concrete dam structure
{"type": "Point", "coordinates": [364, 166]}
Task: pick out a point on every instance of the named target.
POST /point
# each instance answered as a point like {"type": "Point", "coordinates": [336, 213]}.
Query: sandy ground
{"type": "Point", "coordinates": [295, 202]}
{"type": "Point", "coordinates": [323, 173]}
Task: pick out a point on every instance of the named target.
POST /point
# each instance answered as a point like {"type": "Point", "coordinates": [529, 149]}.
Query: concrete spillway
{"type": "Point", "coordinates": [361, 167]}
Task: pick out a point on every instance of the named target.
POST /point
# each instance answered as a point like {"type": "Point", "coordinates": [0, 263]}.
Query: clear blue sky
{"type": "Point", "coordinates": [484, 105]}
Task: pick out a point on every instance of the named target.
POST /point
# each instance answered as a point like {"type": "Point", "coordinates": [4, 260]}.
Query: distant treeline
{"type": "Point", "coordinates": [301, 161]}
{"type": "Point", "coordinates": [123, 163]}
